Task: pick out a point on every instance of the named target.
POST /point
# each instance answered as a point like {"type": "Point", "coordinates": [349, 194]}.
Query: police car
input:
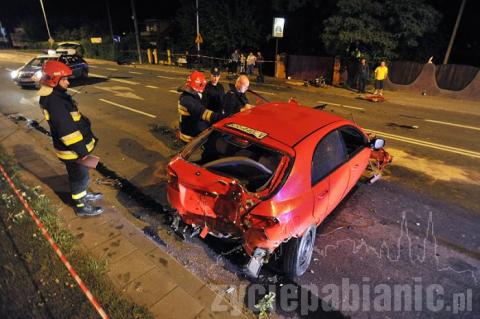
{"type": "Point", "coordinates": [29, 75]}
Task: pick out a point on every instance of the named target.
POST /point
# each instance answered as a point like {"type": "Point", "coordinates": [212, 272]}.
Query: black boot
{"type": "Point", "coordinates": [84, 209]}
{"type": "Point", "coordinates": [91, 197]}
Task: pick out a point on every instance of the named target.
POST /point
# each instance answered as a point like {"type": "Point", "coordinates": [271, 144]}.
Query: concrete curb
{"type": "Point", "coordinates": [138, 267]}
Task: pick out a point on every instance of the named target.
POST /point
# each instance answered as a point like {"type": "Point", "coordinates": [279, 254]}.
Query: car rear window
{"type": "Point", "coordinates": [230, 155]}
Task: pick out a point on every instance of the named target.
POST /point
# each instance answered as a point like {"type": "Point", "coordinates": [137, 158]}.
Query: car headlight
{"type": "Point", "coordinates": [38, 75]}
{"type": "Point", "coordinates": [51, 52]}
{"type": "Point", "coordinates": [14, 74]}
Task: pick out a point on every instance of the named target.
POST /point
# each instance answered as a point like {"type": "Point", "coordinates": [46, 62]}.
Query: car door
{"type": "Point", "coordinates": [328, 157]}
{"type": "Point", "coordinates": [358, 153]}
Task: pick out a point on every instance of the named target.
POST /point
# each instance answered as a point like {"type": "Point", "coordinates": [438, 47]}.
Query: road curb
{"type": "Point", "coordinates": [138, 266]}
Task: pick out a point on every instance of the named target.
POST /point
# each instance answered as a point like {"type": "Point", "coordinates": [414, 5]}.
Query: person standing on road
{"type": "Point", "coordinates": [250, 63]}
{"type": "Point", "coordinates": [194, 116]}
{"type": "Point", "coordinates": [235, 57]}
{"type": "Point", "coordinates": [381, 73]}
{"type": "Point", "coordinates": [260, 77]}
{"type": "Point", "coordinates": [71, 133]}
{"type": "Point", "coordinates": [214, 93]}
{"type": "Point", "coordinates": [235, 99]}
{"type": "Point", "coordinates": [242, 63]}
{"type": "Point", "coordinates": [362, 75]}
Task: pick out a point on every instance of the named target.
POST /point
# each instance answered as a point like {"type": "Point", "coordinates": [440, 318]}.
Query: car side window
{"type": "Point", "coordinates": [354, 140]}
{"type": "Point", "coordinates": [329, 154]}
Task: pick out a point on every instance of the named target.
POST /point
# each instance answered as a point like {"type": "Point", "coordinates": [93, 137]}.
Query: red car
{"type": "Point", "coordinates": [268, 177]}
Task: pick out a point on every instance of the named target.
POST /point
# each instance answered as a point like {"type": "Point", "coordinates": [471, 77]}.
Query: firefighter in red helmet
{"type": "Point", "coordinates": [71, 134]}
{"type": "Point", "coordinates": [194, 116]}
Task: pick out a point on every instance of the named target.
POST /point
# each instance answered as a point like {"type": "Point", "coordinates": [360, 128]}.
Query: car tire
{"type": "Point", "coordinates": [298, 252]}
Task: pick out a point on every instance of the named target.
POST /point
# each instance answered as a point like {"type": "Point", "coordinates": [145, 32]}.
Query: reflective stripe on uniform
{"type": "Point", "coordinates": [46, 114]}
{"type": "Point", "coordinates": [185, 138]}
{"type": "Point", "coordinates": [207, 115]}
{"type": "Point", "coordinates": [76, 116]}
{"type": "Point", "coordinates": [66, 155]}
{"type": "Point", "coordinates": [182, 110]}
{"type": "Point", "coordinates": [81, 205]}
{"type": "Point", "coordinates": [90, 145]}
{"type": "Point", "coordinates": [79, 195]}
{"type": "Point", "coordinates": [72, 138]}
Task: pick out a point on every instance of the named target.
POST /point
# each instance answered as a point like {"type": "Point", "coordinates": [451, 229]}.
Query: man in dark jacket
{"type": "Point", "coordinates": [72, 136]}
{"type": "Point", "coordinates": [235, 99]}
{"type": "Point", "coordinates": [194, 116]}
{"type": "Point", "coordinates": [362, 75]}
{"type": "Point", "coordinates": [214, 93]}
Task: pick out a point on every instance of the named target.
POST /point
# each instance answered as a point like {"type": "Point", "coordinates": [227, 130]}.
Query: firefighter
{"type": "Point", "coordinates": [72, 136]}
{"type": "Point", "coordinates": [214, 93]}
{"type": "Point", "coordinates": [194, 116]}
{"type": "Point", "coordinates": [235, 99]}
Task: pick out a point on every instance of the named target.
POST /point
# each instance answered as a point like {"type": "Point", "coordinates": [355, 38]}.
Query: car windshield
{"type": "Point", "coordinates": [254, 165]}
{"type": "Point", "coordinates": [38, 62]}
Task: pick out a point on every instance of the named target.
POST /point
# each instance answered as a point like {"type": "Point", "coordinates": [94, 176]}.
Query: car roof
{"type": "Point", "coordinates": [47, 56]}
{"type": "Point", "coordinates": [288, 123]}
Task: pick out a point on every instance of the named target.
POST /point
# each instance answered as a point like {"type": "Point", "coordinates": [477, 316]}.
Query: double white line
{"type": "Point", "coordinates": [456, 150]}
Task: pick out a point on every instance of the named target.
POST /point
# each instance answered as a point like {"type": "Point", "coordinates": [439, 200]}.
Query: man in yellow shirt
{"type": "Point", "coordinates": [381, 73]}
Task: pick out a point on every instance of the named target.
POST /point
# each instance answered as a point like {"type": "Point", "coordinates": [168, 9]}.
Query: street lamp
{"type": "Point", "coordinates": [50, 39]}
{"type": "Point", "coordinates": [134, 17]}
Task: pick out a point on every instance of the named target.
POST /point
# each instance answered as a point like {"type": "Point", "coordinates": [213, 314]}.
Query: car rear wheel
{"type": "Point", "coordinates": [298, 253]}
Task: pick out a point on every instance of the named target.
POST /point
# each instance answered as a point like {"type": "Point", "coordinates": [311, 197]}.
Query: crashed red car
{"type": "Point", "coordinates": [268, 177]}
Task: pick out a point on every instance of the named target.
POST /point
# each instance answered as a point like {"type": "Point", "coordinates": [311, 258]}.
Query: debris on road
{"type": "Point", "coordinates": [411, 127]}
{"type": "Point", "coordinates": [115, 183]}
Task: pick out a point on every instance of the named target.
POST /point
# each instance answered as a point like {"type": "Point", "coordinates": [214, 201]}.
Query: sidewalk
{"type": "Point", "coordinates": [138, 266]}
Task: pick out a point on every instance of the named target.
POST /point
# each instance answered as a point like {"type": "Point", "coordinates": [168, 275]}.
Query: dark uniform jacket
{"type": "Point", "coordinates": [71, 132]}
{"type": "Point", "coordinates": [194, 117]}
{"type": "Point", "coordinates": [213, 97]}
{"type": "Point", "coordinates": [234, 102]}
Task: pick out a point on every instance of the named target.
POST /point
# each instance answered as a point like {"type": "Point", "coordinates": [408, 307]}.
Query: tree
{"type": "Point", "coordinates": [224, 25]}
{"type": "Point", "coordinates": [379, 28]}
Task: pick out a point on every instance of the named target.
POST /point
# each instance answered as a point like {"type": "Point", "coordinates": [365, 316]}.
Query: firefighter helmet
{"type": "Point", "coordinates": [53, 71]}
{"type": "Point", "coordinates": [197, 81]}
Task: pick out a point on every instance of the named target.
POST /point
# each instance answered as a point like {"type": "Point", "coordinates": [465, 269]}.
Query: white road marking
{"type": "Point", "coordinates": [173, 91]}
{"type": "Point", "coordinates": [128, 108]}
{"type": "Point", "coordinates": [342, 105]}
{"type": "Point", "coordinates": [263, 92]}
{"type": "Point", "coordinates": [9, 70]}
{"type": "Point", "coordinates": [73, 90]}
{"type": "Point", "coordinates": [121, 91]}
{"type": "Point", "coordinates": [453, 124]}
{"type": "Point", "coordinates": [124, 81]}
{"type": "Point", "coordinates": [112, 69]}
{"type": "Point", "coordinates": [436, 146]}
{"type": "Point", "coordinates": [152, 86]}
{"type": "Point", "coordinates": [166, 77]}
{"type": "Point", "coordinates": [133, 72]}
{"type": "Point", "coordinates": [98, 75]}
{"type": "Point", "coordinates": [93, 66]}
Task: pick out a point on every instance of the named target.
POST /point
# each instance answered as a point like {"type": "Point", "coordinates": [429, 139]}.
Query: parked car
{"type": "Point", "coordinates": [70, 48]}
{"type": "Point", "coordinates": [29, 75]}
{"type": "Point", "coordinates": [268, 177]}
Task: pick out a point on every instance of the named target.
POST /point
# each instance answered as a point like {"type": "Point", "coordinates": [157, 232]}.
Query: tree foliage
{"type": "Point", "coordinates": [224, 25]}
{"type": "Point", "coordinates": [379, 28]}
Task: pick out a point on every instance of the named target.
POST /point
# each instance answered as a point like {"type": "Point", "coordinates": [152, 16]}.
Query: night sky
{"type": "Point", "coordinates": [71, 14]}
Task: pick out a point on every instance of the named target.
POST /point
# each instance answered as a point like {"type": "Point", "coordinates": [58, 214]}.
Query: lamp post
{"type": "Point", "coordinates": [50, 39]}
{"type": "Point", "coordinates": [137, 37]}
{"type": "Point", "coordinates": [454, 32]}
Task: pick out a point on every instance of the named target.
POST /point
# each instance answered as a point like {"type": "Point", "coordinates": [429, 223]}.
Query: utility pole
{"type": "Point", "coordinates": [454, 32]}
{"type": "Point", "coordinates": [109, 20]}
{"type": "Point", "coordinates": [50, 39]}
{"type": "Point", "coordinates": [198, 30]}
{"type": "Point", "coordinates": [134, 17]}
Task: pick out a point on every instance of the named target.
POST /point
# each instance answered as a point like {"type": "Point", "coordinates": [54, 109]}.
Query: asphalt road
{"type": "Point", "coordinates": [376, 238]}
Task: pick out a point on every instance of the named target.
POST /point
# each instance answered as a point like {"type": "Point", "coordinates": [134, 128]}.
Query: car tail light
{"type": "Point", "coordinates": [172, 179]}
{"type": "Point", "coordinates": [256, 221]}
